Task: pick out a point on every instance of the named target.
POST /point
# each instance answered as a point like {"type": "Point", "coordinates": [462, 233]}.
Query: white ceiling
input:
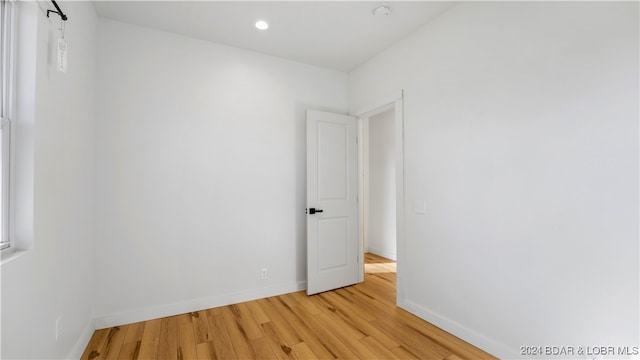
{"type": "Point", "coordinates": [338, 35]}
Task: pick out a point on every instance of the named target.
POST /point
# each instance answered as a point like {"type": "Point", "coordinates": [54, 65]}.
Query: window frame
{"type": "Point", "coordinates": [8, 36]}
{"type": "Point", "coordinates": [6, 241]}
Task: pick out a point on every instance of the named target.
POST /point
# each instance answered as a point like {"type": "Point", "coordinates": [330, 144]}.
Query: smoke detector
{"type": "Point", "coordinates": [382, 10]}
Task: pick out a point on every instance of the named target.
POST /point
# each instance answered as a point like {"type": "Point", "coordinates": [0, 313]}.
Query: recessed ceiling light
{"type": "Point", "coordinates": [262, 25]}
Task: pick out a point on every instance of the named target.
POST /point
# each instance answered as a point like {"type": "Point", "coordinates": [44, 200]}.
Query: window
{"type": "Point", "coordinates": [7, 43]}
{"type": "Point", "coordinates": [5, 138]}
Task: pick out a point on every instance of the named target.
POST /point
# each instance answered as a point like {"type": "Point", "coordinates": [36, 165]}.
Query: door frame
{"type": "Point", "coordinates": [395, 102]}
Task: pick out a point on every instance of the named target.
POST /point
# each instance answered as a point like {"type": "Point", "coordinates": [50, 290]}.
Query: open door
{"type": "Point", "coordinates": [332, 203]}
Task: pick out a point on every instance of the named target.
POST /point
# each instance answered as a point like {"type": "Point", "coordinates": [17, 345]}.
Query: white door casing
{"type": "Point", "coordinates": [332, 189]}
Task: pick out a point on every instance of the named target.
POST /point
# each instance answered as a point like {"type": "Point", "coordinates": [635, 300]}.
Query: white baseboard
{"type": "Point", "coordinates": [471, 336]}
{"type": "Point", "coordinates": [388, 255]}
{"type": "Point", "coordinates": [83, 340]}
{"type": "Point", "coordinates": [159, 311]}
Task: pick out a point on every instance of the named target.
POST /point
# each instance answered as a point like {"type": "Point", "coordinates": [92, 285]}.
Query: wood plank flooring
{"type": "Point", "coordinates": [355, 322]}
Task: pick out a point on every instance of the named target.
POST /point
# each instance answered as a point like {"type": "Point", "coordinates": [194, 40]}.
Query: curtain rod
{"type": "Point", "coordinates": [57, 11]}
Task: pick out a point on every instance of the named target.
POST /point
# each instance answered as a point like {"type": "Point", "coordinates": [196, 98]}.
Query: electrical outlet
{"type": "Point", "coordinates": [264, 274]}
{"type": "Point", "coordinates": [58, 327]}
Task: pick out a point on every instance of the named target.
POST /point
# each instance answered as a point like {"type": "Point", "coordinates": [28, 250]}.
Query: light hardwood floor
{"type": "Point", "coordinates": [355, 322]}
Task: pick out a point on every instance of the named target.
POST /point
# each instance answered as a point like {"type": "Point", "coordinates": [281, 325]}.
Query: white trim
{"type": "Point", "coordinates": [164, 310]}
{"type": "Point", "coordinates": [379, 110]}
{"type": "Point", "coordinates": [83, 340]}
{"type": "Point", "coordinates": [475, 338]}
{"type": "Point", "coordinates": [8, 69]}
{"type": "Point", "coordinates": [375, 107]}
{"type": "Point", "coordinates": [5, 184]}
{"type": "Point", "coordinates": [383, 253]}
{"type": "Point", "coordinates": [400, 199]}
{"type": "Point", "coordinates": [362, 194]}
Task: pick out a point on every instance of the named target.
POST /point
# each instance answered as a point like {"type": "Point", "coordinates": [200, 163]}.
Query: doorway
{"type": "Point", "coordinates": [379, 184]}
{"type": "Point", "coordinates": [382, 224]}
{"type": "Point", "coordinates": [347, 238]}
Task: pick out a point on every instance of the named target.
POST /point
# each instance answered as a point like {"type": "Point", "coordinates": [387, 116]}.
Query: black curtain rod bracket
{"type": "Point", "coordinates": [57, 11]}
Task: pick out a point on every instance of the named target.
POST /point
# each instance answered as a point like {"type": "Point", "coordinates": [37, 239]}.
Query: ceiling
{"type": "Point", "coordinates": [338, 35]}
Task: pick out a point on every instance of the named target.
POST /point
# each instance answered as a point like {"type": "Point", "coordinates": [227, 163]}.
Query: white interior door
{"type": "Point", "coordinates": [332, 204]}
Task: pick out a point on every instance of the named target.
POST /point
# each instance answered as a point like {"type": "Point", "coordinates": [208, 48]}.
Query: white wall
{"type": "Point", "coordinates": [54, 195]}
{"type": "Point", "coordinates": [521, 134]}
{"type": "Point", "coordinates": [381, 223]}
{"type": "Point", "coordinates": [200, 172]}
